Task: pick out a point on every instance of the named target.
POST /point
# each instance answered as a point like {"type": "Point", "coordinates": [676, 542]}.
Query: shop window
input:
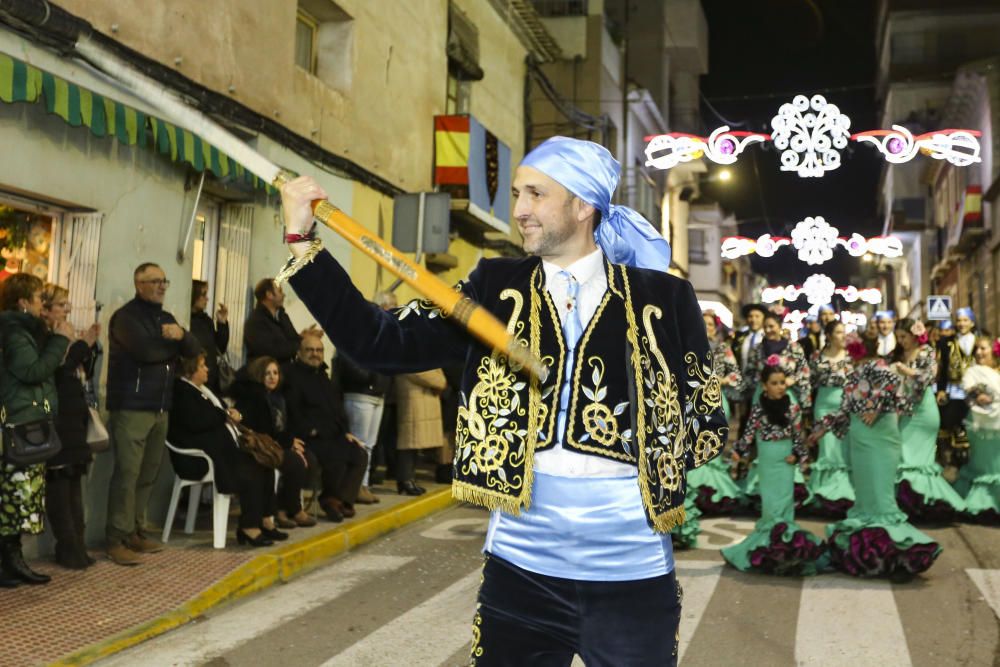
{"type": "Point", "coordinates": [26, 242]}
{"type": "Point", "coordinates": [458, 97]}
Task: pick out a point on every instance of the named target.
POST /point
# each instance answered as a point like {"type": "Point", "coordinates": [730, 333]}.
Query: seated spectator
{"type": "Point", "coordinates": [418, 398]}
{"type": "Point", "coordinates": [269, 331]}
{"type": "Point", "coordinates": [199, 420]}
{"type": "Point", "coordinates": [316, 414]}
{"type": "Point", "coordinates": [63, 490]}
{"type": "Point", "coordinates": [213, 335]}
{"type": "Point", "coordinates": [27, 393]}
{"type": "Point", "coordinates": [259, 399]}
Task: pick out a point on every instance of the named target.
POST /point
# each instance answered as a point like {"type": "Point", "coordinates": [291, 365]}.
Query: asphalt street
{"type": "Point", "coordinates": [408, 599]}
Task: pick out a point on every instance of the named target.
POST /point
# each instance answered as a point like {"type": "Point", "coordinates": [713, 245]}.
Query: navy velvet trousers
{"type": "Point", "coordinates": [532, 620]}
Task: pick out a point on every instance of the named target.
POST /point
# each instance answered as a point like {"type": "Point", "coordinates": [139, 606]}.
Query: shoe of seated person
{"type": "Point", "coordinates": [143, 544]}
{"type": "Point", "coordinates": [281, 520]}
{"type": "Point", "coordinates": [303, 520]}
{"type": "Point", "coordinates": [408, 488]}
{"type": "Point", "coordinates": [330, 509]}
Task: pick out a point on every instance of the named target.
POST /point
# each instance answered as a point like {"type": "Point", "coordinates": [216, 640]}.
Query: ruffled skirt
{"type": "Point", "coordinates": [876, 539]}
{"type": "Point", "coordinates": [777, 544]}
{"type": "Point", "coordinates": [920, 489]}
{"type": "Point", "coordinates": [979, 479]}
{"type": "Point", "coordinates": [829, 477]}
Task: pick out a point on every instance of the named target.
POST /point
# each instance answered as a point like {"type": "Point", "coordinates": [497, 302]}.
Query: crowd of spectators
{"type": "Point", "coordinates": [284, 427]}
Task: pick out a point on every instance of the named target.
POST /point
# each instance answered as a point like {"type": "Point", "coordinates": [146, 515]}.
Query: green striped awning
{"type": "Point", "coordinates": [21, 82]}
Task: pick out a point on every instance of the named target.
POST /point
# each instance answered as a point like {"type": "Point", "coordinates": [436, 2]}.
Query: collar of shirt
{"type": "Point", "coordinates": [589, 272]}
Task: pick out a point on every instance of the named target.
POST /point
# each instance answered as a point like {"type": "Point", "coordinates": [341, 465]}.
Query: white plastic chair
{"type": "Point", "coordinates": [220, 501]}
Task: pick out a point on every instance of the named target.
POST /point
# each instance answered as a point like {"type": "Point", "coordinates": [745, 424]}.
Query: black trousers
{"type": "Point", "coordinates": [255, 487]}
{"type": "Point", "coordinates": [342, 465]}
{"type": "Point", "coordinates": [531, 620]}
{"type": "Point", "coordinates": [953, 413]}
{"type": "Point", "coordinates": [294, 477]}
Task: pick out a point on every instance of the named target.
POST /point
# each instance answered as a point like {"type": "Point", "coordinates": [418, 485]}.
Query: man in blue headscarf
{"type": "Point", "coordinates": [584, 472]}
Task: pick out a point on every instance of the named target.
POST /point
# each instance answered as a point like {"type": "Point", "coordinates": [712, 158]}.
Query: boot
{"type": "Point", "coordinates": [60, 515]}
{"type": "Point", "coordinates": [13, 563]}
{"type": "Point", "coordinates": [76, 504]}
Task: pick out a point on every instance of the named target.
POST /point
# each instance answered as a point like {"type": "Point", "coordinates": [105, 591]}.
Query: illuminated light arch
{"type": "Point", "coordinates": [810, 133]}
{"type": "Point", "coordinates": [815, 240]}
{"type": "Point", "coordinates": [819, 289]}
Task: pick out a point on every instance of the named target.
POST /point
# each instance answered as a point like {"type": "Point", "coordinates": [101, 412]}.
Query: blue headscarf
{"type": "Point", "coordinates": [947, 324]}
{"type": "Point", "coordinates": [967, 312]}
{"type": "Point", "coordinates": [884, 315]}
{"type": "Point", "coordinates": [590, 172]}
{"type": "Point", "coordinates": [827, 308]}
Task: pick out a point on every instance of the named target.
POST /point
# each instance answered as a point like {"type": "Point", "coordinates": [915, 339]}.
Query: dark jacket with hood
{"type": "Point", "coordinates": [30, 359]}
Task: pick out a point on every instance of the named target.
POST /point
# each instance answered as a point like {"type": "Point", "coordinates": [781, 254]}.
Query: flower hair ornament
{"type": "Point", "coordinates": [773, 361]}
{"type": "Point", "coordinates": [919, 332]}
{"type": "Point", "coordinates": [855, 347]}
{"type": "Point", "coordinates": [996, 348]}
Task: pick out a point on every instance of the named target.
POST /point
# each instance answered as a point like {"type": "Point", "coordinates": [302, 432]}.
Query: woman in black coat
{"type": "Point", "coordinates": [198, 420]}
{"type": "Point", "coordinates": [63, 492]}
{"type": "Point", "coordinates": [262, 404]}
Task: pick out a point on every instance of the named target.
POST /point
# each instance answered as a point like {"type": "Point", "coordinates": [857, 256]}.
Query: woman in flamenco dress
{"type": "Point", "coordinates": [777, 544]}
{"type": "Point", "coordinates": [875, 539]}
{"type": "Point", "coordinates": [829, 474]}
{"type": "Point", "coordinates": [979, 479]}
{"type": "Point", "coordinates": [920, 489]}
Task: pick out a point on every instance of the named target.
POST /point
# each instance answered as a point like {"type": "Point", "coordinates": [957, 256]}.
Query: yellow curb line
{"type": "Point", "coordinates": [264, 571]}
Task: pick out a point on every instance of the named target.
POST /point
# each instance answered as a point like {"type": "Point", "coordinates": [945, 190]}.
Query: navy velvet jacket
{"type": "Point", "coordinates": [647, 332]}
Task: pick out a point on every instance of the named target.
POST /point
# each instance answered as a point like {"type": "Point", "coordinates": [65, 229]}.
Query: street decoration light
{"type": "Point", "coordinates": [852, 321]}
{"type": "Point", "coordinates": [810, 133]}
{"type": "Point", "coordinates": [819, 289]}
{"type": "Point", "coordinates": [815, 240]}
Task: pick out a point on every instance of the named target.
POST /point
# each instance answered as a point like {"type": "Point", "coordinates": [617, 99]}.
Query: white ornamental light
{"type": "Point", "coordinates": [819, 289]}
{"type": "Point", "coordinates": [898, 145]}
{"type": "Point", "coordinates": [810, 133]}
{"type": "Point", "coordinates": [814, 239]}
{"type": "Point", "coordinates": [722, 147]}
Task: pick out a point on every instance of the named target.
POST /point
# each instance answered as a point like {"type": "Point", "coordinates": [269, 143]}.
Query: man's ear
{"type": "Point", "coordinates": [584, 211]}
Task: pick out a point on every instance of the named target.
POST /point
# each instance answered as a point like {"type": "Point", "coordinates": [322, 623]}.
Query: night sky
{"type": "Point", "coordinates": [762, 53]}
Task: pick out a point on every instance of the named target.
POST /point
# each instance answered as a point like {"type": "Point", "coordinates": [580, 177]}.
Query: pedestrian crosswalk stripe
{"type": "Point", "coordinates": [196, 644]}
{"type": "Point", "coordinates": [845, 621]}
{"type": "Point", "coordinates": [698, 579]}
{"type": "Point", "coordinates": [988, 583]}
{"type": "Point", "coordinates": [434, 629]}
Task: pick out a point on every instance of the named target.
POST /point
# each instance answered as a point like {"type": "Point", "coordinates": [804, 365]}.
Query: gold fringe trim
{"type": "Point", "coordinates": [664, 523]}
{"type": "Point", "coordinates": [491, 500]}
{"type": "Point", "coordinates": [293, 265]}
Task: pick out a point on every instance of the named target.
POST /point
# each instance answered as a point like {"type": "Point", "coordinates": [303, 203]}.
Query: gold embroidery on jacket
{"type": "Point", "coordinates": [704, 399]}
{"type": "Point", "coordinates": [666, 433]}
{"type": "Point", "coordinates": [663, 515]}
{"type": "Point", "coordinates": [487, 434]}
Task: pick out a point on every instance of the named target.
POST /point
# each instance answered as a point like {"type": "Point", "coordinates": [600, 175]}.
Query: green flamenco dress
{"type": "Point", "coordinates": [829, 480]}
{"type": "Point", "coordinates": [685, 536]}
{"type": "Point", "coordinates": [711, 488]}
{"type": "Point", "coordinates": [980, 477]}
{"type": "Point", "coordinates": [777, 544]}
{"type": "Point", "coordinates": [876, 539]}
{"type": "Point", "coordinates": [751, 483]}
{"type": "Point", "coordinates": [920, 489]}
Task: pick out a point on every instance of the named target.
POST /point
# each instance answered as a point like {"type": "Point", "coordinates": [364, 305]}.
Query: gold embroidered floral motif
{"type": "Point", "coordinates": [706, 447]}
{"type": "Point", "coordinates": [599, 421]}
{"type": "Point", "coordinates": [487, 435]}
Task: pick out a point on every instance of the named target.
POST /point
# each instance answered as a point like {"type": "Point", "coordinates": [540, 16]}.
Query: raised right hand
{"type": "Point", "coordinates": [297, 196]}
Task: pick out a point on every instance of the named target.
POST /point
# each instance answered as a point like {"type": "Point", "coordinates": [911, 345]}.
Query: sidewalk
{"type": "Point", "coordinates": [82, 616]}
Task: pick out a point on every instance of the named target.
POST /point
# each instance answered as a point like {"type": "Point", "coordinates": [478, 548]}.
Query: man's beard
{"type": "Point", "coordinates": [551, 239]}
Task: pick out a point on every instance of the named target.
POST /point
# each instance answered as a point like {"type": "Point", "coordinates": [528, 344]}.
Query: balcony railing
{"type": "Point", "coordinates": [554, 8]}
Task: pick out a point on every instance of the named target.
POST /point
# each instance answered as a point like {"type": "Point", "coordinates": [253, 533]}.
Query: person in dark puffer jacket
{"type": "Point", "coordinates": [64, 471]}
{"type": "Point", "coordinates": [144, 343]}
{"type": "Point", "coordinates": [27, 394]}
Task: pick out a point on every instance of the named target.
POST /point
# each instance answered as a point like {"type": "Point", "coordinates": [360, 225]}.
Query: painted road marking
{"type": "Point", "coordinates": [698, 579]}
{"type": "Point", "coordinates": [849, 622]}
{"type": "Point", "coordinates": [435, 630]}
{"type": "Point", "coordinates": [988, 583]}
{"type": "Point", "coordinates": [200, 642]}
